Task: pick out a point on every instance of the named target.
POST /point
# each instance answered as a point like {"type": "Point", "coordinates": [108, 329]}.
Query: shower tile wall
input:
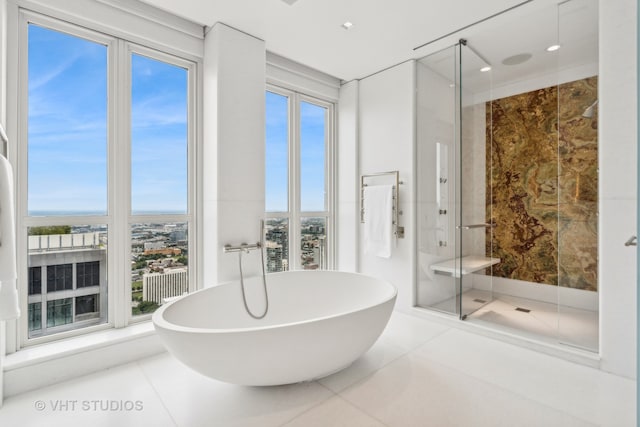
{"type": "Point", "coordinates": [541, 189]}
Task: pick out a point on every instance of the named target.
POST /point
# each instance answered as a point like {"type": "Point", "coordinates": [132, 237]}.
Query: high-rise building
{"type": "Point", "coordinates": [277, 233]}
{"type": "Point", "coordinates": [157, 287]}
{"type": "Point", "coordinates": [274, 255]}
{"type": "Point", "coordinates": [67, 282]}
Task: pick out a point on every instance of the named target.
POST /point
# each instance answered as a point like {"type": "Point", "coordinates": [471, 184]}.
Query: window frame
{"type": "Point", "coordinates": [294, 215]}
{"type": "Point", "coordinates": [118, 151]}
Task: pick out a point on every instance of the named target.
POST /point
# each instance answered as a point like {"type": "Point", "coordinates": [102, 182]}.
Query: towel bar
{"type": "Point", "coordinates": [398, 231]}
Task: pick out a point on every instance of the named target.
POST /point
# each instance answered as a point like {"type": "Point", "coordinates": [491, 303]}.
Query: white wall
{"type": "Point", "coordinates": [348, 179]}
{"type": "Point", "coordinates": [233, 151]}
{"type": "Point", "coordinates": [386, 143]}
{"type": "Point", "coordinates": [3, 102]}
{"type": "Point", "coordinates": [618, 185]}
{"type": "Point", "coordinates": [3, 66]}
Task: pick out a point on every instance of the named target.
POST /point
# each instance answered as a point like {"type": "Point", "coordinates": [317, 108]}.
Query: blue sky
{"type": "Point", "coordinates": [67, 149]}
{"type": "Point", "coordinates": [68, 128]}
{"type": "Point", "coordinates": [312, 155]}
{"type": "Point", "coordinates": [67, 123]}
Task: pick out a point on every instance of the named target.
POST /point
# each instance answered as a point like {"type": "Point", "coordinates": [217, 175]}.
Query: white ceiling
{"type": "Point", "coordinates": [384, 33]}
{"type": "Point", "coordinates": [573, 24]}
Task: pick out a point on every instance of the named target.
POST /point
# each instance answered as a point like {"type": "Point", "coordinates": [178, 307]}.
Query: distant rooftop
{"type": "Point", "coordinates": [59, 242]}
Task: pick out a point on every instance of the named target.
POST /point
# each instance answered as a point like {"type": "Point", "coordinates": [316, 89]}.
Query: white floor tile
{"type": "Point", "coordinates": [409, 332]}
{"type": "Point", "coordinates": [413, 391]}
{"type": "Point", "coordinates": [419, 373]}
{"type": "Point", "coordinates": [583, 392]}
{"type": "Point", "coordinates": [194, 400]}
{"type": "Point", "coordinates": [382, 352]}
{"type": "Point", "coordinates": [335, 412]}
{"type": "Point", "coordinates": [116, 397]}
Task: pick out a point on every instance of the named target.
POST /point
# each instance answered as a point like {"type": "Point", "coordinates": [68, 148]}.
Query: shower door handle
{"type": "Point", "coordinates": [632, 241]}
{"type": "Point", "coordinates": [470, 226]}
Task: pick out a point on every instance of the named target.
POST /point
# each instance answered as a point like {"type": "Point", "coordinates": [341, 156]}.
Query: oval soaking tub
{"type": "Point", "coordinates": [318, 323]}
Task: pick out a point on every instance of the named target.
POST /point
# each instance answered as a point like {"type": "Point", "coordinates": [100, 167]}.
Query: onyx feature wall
{"type": "Point", "coordinates": [542, 185]}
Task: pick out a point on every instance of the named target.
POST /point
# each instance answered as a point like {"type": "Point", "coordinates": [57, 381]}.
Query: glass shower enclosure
{"type": "Point", "coordinates": [506, 162]}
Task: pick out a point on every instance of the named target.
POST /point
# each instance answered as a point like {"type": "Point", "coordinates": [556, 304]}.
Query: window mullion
{"type": "Point", "coordinates": [120, 148]}
{"type": "Point", "coordinates": [330, 186]}
{"type": "Point", "coordinates": [294, 166]}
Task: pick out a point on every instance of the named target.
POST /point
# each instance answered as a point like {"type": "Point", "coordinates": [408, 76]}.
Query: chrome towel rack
{"type": "Point", "coordinates": [398, 231]}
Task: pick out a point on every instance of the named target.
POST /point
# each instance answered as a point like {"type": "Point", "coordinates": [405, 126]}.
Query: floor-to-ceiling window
{"type": "Point", "coordinates": [299, 146]}
{"type": "Point", "coordinates": [107, 155]}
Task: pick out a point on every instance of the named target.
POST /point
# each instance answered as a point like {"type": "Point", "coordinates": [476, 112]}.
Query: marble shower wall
{"type": "Point", "coordinates": [542, 185]}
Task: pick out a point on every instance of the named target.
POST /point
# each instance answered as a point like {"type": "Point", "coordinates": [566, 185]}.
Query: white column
{"type": "Point", "coordinates": [618, 185]}
{"type": "Point", "coordinates": [348, 178]}
{"type": "Point", "coordinates": [3, 103]}
{"type": "Point", "coordinates": [233, 151]}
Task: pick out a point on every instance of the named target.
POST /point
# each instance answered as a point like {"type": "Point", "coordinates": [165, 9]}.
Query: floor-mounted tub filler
{"type": "Point", "coordinates": [319, 322]}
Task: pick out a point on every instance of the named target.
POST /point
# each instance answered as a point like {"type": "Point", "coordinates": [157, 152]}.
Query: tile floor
{"type": "Point", "coordinates": [545, 322]}
{"type": "Point", "coordinates": [420, 373]}
{"type": "Point", "coordinates": [550, 322]}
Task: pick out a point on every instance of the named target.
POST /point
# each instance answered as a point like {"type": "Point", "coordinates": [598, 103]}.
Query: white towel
{"type": "Point", "coordinates": [9, 308]}
{"type": "Point", "coordinates": [378, 220]}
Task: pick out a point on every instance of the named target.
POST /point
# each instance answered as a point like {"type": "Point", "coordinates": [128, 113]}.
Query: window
{"type": "Point", "coordinates": [87, 304]}
{"type": "Point", "coordinates": [35, 280]}
{"type": "Point", "coordinates": [59, 277]}
{"type": "Point", "coordinates": [62, 251]}
{"type": "Point", "coordinates": [108, 158]}
{"type": "Point", "coordinates": [35, 317]}
{"type": "Point", "coordinates": [159, 183]}
{"type": "Point", "coordinates": [88, 274]}
{"type": "Point", "coordinates": [59, 312]}
{"type": "Point", "coordinates": [299, 143]}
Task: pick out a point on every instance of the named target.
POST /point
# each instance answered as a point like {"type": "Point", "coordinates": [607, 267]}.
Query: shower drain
{"type": "Point", "coordinates": [481, 301]}
{"type": "Point", "coordinates": [524, 310]}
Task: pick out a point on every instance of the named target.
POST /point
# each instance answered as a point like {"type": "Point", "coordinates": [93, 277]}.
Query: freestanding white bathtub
{"type": "Point", "coordinates": [318, 323]}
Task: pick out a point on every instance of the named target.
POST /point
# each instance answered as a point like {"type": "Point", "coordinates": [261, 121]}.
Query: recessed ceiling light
{"type": "Point", "coordinates": [347, 25]}
{"type": "Point", "coordinates": [485, 69]}
{"type": "Point", "coordinates": [553, 48]}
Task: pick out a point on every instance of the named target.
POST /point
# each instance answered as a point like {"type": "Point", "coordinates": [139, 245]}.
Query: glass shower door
{"type": "Point", "coordinates": [438, 278]}
{"type": "Point", "coordinates": [578, 281]}
{"type": "Point", "coordinates": [475, 222]}
{"type": "Point", "coordinates": [451, 153]}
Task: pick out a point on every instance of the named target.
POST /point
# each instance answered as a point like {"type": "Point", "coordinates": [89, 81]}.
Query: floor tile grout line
{"type": "Point", "coordinates": [426, 321]}
{"type": "Point", "coordinates": [360, 381]}
{"type": "Point", "coordinates": [363, 411]}
{"type": "Point", "coordinates": [404, 353]}
{"type": "Point", "coordinates": [371, 373]}
{"type": "Point", "coordinates": [156, 392]}
{"type": "Point", "coordinates": [312, 406]}
{"type": "Point", "coordinates": [334, 394]}
{"type": "Point", "coordinates": [502, 388]}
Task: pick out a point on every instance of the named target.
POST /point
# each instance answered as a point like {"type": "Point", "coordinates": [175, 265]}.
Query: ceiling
{"type": "Point", "coordinates": [384, 32]}
{"type": "Point", "coordinates": [572, 24]}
